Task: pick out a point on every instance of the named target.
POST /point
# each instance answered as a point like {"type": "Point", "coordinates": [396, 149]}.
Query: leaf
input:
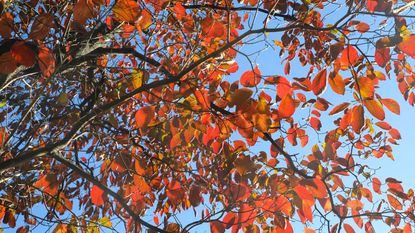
{"type": "Point", "coordinates": [349, 57]}
{"type": "Point", "coordinates": [383, 125]}
{"type": "Point", "coordinates": [376, 185]}
{"type": "Point", "coordinates": [362, 27]}
{"type": "Point", "coordinates": [407, 45]}
{"type": "Point", "coordinates": [195, 195]}
{"type": "Point", "coordinates": [358, 118]}
{"type": "Point", "coordinates": [144, 116]}
{"type": "Point", "coordinates": [392, 105]}
{"type": "Point", "coordinates": [137, 78]}
{"type": "Point", "coordinates": [7, 63]}
{"type": "Point", "coordinates": [46, 61]}
{"type": "Point", "coordinates": [97, 195]}
{"type": "Point", "coordinates": [395, 134]}
{"type": "Point", "coordinates": [337, 83]}
{"type": "Point", "coordinates": [42, 26]}
{"type": "Point", "coordinates": [60, 228]}
{"type": "Point", "coordinates": [348, 228]}
{"type": "Point", "coordinates": [262, 122]}
{"type": "Point", "coordinates": [319, 82]}
{"type": "Point", "coordinates": [365, 87]}
{"type": "Point", "coordinates": [106, 222]}
{"type": "Point", "coordinates": [339, 108]}
{"type": "Point", "coordinates": [175, 192]}
{"type": "Point", "coordinates": [217, 227]}
{"type": "Point", "coordinates": [243, 164]}
{"type": "Point", "coordinates": [144, 21]}
{"type": "Point", "coordinates": [126, 10]}
{"type": "Point", "coordinates": [179, 10]}
{"type": "Point", "coordinates": [382, 56]}
{"type": "Point", "coordinates": [371, 5]}
{"type": "Point", "coordinates": [395, 203]}
{"type": "Point", "coordinates": [375, 108]}
{"type": "Point", "coordinates": [241, 96]}
{"type": "Point", "coordinates": [23, 54]}
{"type": "Point", "coordinates": [82, 11]}
{"type": "Point", "coordinates": [287, 107]}
{"type": "Point", "coordinates": [251, 78]}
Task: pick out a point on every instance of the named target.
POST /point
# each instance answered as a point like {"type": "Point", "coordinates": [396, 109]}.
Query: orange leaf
{"type": "Point", "coordinates": [319, 82]}
{"type": "Point", "coordinates": [284, 205]}
{"type": "Point", "coordinates": [337, 84]}
{"type": "Point", "coordinates": [145, 20]}
{"type": "Point", "coordinates": [251, 78]}
{"type": "Point", "coordinates": [376, 185]}
{"type": "Point", "coordinates": [287, 107]}
{"type": "Point", "coordinates": [392, 105]}
{"type": "Point", "coordinates": [395, 134]}
{"type": "Point", "coordinates": [315, 123]}
{"type": "Point", "coordinates": [365, 87]}
{"type": "Point", "coordinates": [262, 122]}
{"type": "Point", "coordinates": [348, 228]}
{"type": "Point", "coordinates": [144, 116]}
{"type": "Point", "coordinates": [23, 54]}
{"type": "Point", "coordinates": [349, 57]}
{"type": "Point", "coordinates": [97, 195]}
{"type": "Point", "coordinates": [395, 203]}
{"type": "Point", "coordinates": [375, 108]}
{"type": "Point", "coordinates": [126, 10]}
{"type": "Point", "coordinates": [339, 108]}
{"type": "Point", "coordinates": [383, 125]}
{"type": "Point", "coordinates": [407, 45]}
{"type": "Point", "coordinates": [382, 56]}
{"type": "Point", "coordinates": [358, 119]}
{"type": "Point", "coordinates": [179, 10]}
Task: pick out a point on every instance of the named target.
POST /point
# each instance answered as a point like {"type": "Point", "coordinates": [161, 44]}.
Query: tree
{"type": "Point", "coordinates": [112, 111]}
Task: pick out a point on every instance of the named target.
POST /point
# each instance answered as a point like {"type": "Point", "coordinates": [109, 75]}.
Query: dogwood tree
{"type": "Point", "coordinates": [119, 115]}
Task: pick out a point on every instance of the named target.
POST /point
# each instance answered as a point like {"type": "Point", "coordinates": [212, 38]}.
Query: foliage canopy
{"type": "Point", "coordinates": [112, 111]}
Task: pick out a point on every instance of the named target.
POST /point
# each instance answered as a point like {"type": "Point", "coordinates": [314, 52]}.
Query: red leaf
{"type": "Point", "coordinates": [382, 56]}
{"type": "Point", "coordinates": [216, 227]}
{"type": "Point", "coordinates": [23, 54]}
{"type": "Point", "coordinates": [287, 107]}
{"type": "Point", "coordinates": [371, 5]}
{"type": "Point", "coordinates": [358, 119]}
{"type": "Point", "coordinates": [194, 195]}
{"type": "Point", "coordinates": [287, 68]}
{"type": "Point", "coordinates": [395, 203]}
{"type": "Point", "coordinates": [7, 63]}
{"type": "Point", "coordinates": [144, 116]}
{"type": "Point", "coordinates": [46, 61]}
{"type": "Point", "coordinates": [175, 192]}
{"type": "Point", "coordinates": [41, 26]}
{"type": "Point", "coordinates": [376, 185]}
{"type": "Point", "coordinates": [82, 11]}
{"type": "Point", "coordinates": [251, 78]}
{"type": "Point", "coordinates": [392, 105]}
{"type": "Point", "coordinates": [315, 123]}
{"type": "Point", "coordinates": [349, 57]}
{"type": "Point", "coordinates": [407, 45]}
{"type": "Point", "coordinates": [284, 205]}
{"type": "Point", "coordinates": [97, 195]}
{"type": "Point", "coordinates": [319, 82]}
{"type": "Point", "coordinates": [375, 108]}
{"type": "Point", "coordinates": [179, 10]}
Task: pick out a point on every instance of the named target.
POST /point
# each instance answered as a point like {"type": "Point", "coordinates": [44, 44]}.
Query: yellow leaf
{"type": "Point", "coordinates": [106, 222]}
{"type": "Point", "coordinates": [137, 78]}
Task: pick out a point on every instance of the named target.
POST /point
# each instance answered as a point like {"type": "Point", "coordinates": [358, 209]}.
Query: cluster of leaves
{"type": "Point", "coordinates": [113, 110]}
